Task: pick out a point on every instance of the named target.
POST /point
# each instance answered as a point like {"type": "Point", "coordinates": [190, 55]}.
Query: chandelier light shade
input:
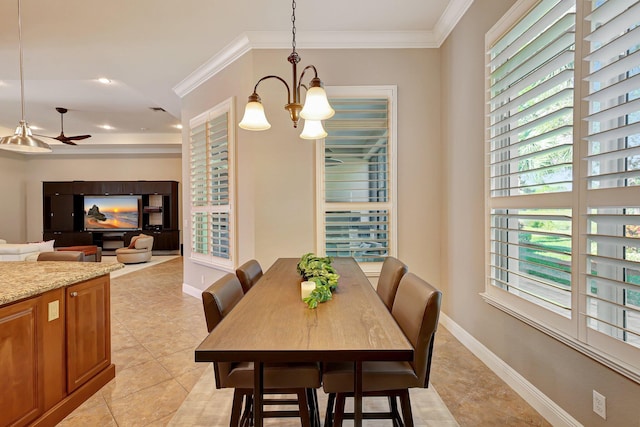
{"type": "Point", "coordinates": [23, 140]}
{"type": "Point", "coordinates": [254, 118]}
{"type": "Point", "coordinates": [316, 106]}
{"type": "Point", "coordinates": [313, 129]}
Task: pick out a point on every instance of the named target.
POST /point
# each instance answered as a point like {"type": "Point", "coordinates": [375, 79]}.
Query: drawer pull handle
{"type": "Point", "coordinates": [73, 294]}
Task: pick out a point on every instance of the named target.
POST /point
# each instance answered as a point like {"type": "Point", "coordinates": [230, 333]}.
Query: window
{"type": "Point", "coordinates": [356, 176]}
{"type": "Point", "coordinates": [564, 233]}
{"type": "Point", "coordinates": [212, 148]}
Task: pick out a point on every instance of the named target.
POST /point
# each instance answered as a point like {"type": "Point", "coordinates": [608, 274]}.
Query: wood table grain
{"type": "Point", "coordinates": [272, 324]}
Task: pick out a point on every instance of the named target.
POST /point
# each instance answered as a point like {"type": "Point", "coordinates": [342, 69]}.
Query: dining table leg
{"type": "Point", "coordinates": [258, 389]}
{"type": "Point", "coordinates": [357, 395]}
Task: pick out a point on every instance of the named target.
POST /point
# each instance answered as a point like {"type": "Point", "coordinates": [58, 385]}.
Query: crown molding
{"type": "Point", "coordinates": [325, 40]}
{"type": "Point", "coordinates": [312, 40]}
{"type": "Point", "coordinates": [217, 63]}
{"type": "Point", "coordinates": [449, 19]}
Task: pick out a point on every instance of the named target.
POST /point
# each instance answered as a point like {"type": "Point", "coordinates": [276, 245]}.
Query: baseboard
{"type": "Point", "coordinates": [194, 292]}
{"type": "Point", "coordinates": [546, 407]}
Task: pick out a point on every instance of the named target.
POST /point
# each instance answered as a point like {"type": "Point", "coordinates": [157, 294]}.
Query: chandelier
{"type": "Point", "coordinates": [316, 106]}
{"type": "Point", "coordinates": [22, 139]}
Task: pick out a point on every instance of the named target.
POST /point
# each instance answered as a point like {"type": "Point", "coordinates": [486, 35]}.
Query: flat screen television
{"type": "Point", "coordinates": [103, 213]}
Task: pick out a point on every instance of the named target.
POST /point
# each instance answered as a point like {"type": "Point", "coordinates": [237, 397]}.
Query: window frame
{"type": "Point", "coordinates": [225, 107]}
{"type": "Point", "coordinates": [371, 269]}
{"type": "Point", "coordinates": [622, 357]}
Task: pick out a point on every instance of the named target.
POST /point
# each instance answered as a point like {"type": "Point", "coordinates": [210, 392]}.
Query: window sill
{"type": "Point", "coordinates": [209, 262]}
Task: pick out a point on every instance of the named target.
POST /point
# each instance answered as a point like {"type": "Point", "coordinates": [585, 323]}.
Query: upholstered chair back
{"type": "Point", "coordinates": [416, 309]}
{"type": "Point", "coordinates": [218, 300]}
{"type": "Point", "coordinates": [390, 275]}
{"type": "Point", "coordinates": [248, 274]}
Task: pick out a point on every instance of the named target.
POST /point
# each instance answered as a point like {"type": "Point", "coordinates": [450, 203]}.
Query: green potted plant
{"type": "Point", "coordinates": [319, 270]}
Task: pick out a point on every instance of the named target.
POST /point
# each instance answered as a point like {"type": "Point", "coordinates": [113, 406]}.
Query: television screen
{"type": "Point", "coordinates": [112, 212]}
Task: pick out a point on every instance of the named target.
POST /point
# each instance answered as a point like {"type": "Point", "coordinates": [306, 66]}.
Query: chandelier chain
{"type": "Point", "coordinates": [293, 24]}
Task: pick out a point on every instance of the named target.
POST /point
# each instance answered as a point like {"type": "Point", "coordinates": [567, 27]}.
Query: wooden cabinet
{"type": "Point", "coordinates": [69, 238]}
{"type": "Point", "coordinates": [21, 361]}
{"type": "Point", "coordinates": [55, 352]}
{"type": "Point", "coordinates": [63, 210]}
{"type": "Point", "coordinates": [88, 331]}
{"type": "Point", "coordinates": [59, 211]}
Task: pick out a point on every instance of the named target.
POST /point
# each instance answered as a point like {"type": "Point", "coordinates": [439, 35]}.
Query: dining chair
{"type": "Point", "coordinates": [392, 271]}
{"type": "Point", "coordinates": [248, 274]}
{"type": "Point", "coordinates": [301, 379]}
{"type": "Point", "coordinates": [416, 310]}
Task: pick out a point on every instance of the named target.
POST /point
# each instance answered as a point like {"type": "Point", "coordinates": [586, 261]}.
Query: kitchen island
{"type": "Point", "coordinates": [55, 338]}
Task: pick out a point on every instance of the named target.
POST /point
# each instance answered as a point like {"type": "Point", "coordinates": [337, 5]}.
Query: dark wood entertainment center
{"type": "Point", "coordinates": [63, 213]}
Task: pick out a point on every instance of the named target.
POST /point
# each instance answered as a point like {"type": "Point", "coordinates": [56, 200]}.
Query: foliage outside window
{"type": "Point", "coordinates": [356, 176]}
{"type": "Point", "coordinates": [212, 147]}
{"type": "Point", "coordinates": [564, 233]}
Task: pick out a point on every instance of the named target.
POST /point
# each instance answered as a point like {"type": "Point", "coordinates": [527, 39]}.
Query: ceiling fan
{"type": "Point", "coordinates": [62, 137]}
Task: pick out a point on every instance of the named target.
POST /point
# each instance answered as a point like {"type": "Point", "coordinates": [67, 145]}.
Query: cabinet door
{"type": "Point", "coordinates": [21, 358]}
{"type": "Point", "coordinates": [52, 188]}
{"type": "Point", "coordinates": [165, 240]}
{"type": "Point", "coordinates": [62, 239]}
{"type": "Point", "coordinates": [88, 330]}
{"type": "Point", "coordinates": [62, 212]}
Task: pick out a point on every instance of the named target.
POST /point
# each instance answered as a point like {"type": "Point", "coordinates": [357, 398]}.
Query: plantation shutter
{"type": "Point", "coordinates": [357, 179]}
{"type": "Point", "coordinates": [530, 155]}
{"type": "Point", "coordinates": [219, 167]}
{"type": "Point", "coordinates": [613, 171]}
{"type": "Point", "coordinates": [211, 186]}
{"type": "Point", "coordinates": [199, 178]}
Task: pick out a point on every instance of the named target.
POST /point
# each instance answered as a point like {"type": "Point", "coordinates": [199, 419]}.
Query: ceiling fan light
{"type": "Point", "coordinates": [316, 105]}
{"type": "Point", "coordinates": [313, 129]}
{"type": "Point", "coordinates": [254, 117]}
{"type": "Point", "coordinates": [24, 141]}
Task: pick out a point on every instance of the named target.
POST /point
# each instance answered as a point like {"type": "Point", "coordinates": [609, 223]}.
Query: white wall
{"type": "Point", "coordinates": [565, 376]}
{"type": "Point", "coordinates": [276, 169]}
{"type": "Point", "coordinates": [21, 181]}
{"type": "Point", "coordinates": [13, 185]}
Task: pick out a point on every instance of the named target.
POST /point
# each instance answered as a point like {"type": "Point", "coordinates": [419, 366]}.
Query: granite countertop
{"type": "Point", "coordinates": [23, 279]}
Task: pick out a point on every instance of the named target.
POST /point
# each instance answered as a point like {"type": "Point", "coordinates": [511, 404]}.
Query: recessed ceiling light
{"type": "Point", "coordinates": [32, 126]}
{"type": "Point", "coordinates": [178, 126]}
{"type": "Point", "coordinates": [106, 127]}
{"type": "Point", "coordinates": [104, 80]}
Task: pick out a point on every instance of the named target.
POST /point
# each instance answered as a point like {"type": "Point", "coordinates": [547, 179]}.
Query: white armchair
{"type": "Point", "coordinates": [139, 250]}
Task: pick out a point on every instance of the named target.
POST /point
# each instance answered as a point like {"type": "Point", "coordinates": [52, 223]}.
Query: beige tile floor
{"type": "Point", "coordinates": [155, 328]}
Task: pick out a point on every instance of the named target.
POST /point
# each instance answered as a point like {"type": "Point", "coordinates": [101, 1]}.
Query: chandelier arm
{"type": "Point", "coordinates": [255, 89]}
{"type": "Point", "coordinates": [315, 75]}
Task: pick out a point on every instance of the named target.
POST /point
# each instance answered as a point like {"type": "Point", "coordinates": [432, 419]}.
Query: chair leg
{"type": "Point", "coordinates": [328, 417]}
{"type": "Point", "coordinates": [312, 396]}
{"type": "Point", "coordinates": [303, 408]}
{"type": "Point", "coordinates": [405, 402]}
{"type": "Point", "coordinates": [235, 408]}
{"type": "Point", "coordinates": [247, 414]}
{"type": "Point", "coordinates": [393, 409]}
{"type": "Point", "coordinates": [338, 414]}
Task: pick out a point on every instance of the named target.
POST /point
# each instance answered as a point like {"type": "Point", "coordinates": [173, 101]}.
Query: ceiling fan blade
{"type": "Point", "coordinates": [45, 136]}
{"type": "Point", "coordinates": [65, 141]}
{"type": "Point", "coordinates": [78, 137]}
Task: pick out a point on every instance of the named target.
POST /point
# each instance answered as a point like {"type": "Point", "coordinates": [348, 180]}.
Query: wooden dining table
{"type": "Point", "coordinates": [272, 324]}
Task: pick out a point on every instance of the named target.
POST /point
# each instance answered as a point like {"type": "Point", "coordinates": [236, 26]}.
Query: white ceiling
{"type": "Point", "coordinates": [148, 47]}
